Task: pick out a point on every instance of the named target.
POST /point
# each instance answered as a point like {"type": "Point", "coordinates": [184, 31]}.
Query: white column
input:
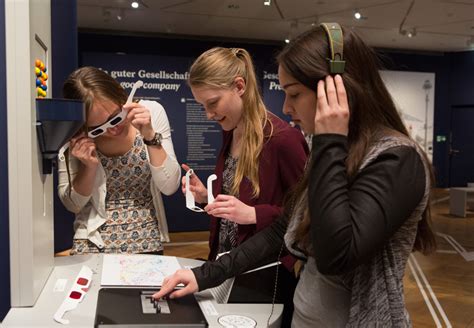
{"type": "Point", "coordinates": [28, 37]}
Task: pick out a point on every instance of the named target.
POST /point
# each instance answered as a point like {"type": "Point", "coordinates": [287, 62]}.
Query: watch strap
{"type": "Point", "coordinates": [155, 141]}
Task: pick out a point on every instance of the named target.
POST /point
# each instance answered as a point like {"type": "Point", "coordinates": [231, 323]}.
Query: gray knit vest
{"type": "Point", "coordinates": [376, 286]}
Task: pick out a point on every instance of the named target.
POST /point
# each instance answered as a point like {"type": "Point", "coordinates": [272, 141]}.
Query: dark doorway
{"type": "Point", "coordinates": [461, 151]}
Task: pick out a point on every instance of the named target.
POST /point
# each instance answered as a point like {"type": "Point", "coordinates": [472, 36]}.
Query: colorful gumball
{"type": "Point", "coordinates": [41, 85]}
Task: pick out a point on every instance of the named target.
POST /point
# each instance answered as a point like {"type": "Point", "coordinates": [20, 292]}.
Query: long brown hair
{"type": "Point", "coordinates": [218, 68]}
{"type": "Point", "coordinates": [372, 109]}
{"type": "Point", "coordinates": [90, 84]}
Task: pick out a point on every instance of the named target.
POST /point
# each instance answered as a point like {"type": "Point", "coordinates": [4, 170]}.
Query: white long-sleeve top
{"type": "Point", "coordinates": [90, 210]}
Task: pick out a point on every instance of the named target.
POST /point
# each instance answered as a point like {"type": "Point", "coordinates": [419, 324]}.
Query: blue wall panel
{"type": "Point", "coordinates": [461, 118]}
{"type": "Point", "coordinates": [461, 83]}
{"type": "Point", "coordinates": [4, 215]}
{"type": "Point", "coordinates": [462, 159]}
{"type": "Point", "coordinates": [64, 58]}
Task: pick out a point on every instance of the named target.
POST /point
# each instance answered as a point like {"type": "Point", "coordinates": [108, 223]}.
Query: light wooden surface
{"type": "Point", "coordinates": [188, 244]}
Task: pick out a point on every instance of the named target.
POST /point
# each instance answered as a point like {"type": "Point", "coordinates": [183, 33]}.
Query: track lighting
{"type": "Point", "coordinates": [409, 33]}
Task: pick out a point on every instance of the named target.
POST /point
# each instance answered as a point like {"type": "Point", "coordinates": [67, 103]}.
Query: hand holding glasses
{"type": "Point", "coordinates": [117, 119]}
{"type": "Point", "coordinates": [190, 204]}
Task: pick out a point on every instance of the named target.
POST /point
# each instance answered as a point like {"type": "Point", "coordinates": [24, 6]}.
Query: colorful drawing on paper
{"type": "Point", "coordinates": [137, 270]}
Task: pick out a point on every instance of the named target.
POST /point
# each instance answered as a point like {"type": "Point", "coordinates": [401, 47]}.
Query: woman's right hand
{"type": "Point", "coordinates": [183, 276]}
{"type": "Point", "coordinates": [196, 186]}
{"type": "Point", "coordinates": [84, 149]}
{"type": "Point", "coordinates": [332, 109]}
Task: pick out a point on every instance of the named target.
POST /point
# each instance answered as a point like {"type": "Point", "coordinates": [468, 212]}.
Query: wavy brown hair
{"type": "Point", "coordinates": [372, 110]}
{"type": "Point", "coordinates": [90, 84]}
{"type": "Point", "coordinates": [218, 68]}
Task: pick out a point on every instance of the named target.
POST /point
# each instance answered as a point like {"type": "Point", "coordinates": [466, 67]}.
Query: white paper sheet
{"type": "Point", "coordinates": [137, 270]}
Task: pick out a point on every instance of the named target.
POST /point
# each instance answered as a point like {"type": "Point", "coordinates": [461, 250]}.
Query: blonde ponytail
{"type": "Point", "coordinates": [218, 67]}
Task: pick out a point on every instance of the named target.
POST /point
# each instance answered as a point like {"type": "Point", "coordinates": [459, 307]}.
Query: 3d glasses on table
{"type": "Point", "coordinates": [189, 195]}
{"type": "Point", "coordinates": [75, 295]}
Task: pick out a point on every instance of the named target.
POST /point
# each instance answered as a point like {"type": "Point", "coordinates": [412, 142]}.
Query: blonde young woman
{"type": "Point", "coordinates": [261, 159]}
{"type": "Point", "coordinates": [116, 170]}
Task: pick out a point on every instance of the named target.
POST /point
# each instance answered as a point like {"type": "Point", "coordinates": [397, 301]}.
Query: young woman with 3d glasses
{"type": "Point", "coordinates": [116, 170]}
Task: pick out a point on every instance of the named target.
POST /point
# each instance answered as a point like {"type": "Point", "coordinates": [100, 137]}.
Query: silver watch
{"type": "Point", "coordinates": [155, 141]}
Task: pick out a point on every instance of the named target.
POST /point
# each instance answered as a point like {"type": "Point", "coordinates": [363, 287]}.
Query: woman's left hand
{"type": "Point", "coordinates": [332, 109]}
{"type": "Point", "coordinates": [140, 118]}
{"type": "Point", "coordinates": [230, 208]}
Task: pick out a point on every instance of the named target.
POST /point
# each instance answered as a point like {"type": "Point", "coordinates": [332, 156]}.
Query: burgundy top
{"type": "Point", "coordinates": [281, 165]}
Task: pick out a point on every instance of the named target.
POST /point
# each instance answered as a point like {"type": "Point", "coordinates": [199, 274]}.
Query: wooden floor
{"type": "Point", "coordinates": [188, 244]}
{"type": "Point", "coordinates": [439, 289]}
{"type": "Point", "coordinates": [446, 277]}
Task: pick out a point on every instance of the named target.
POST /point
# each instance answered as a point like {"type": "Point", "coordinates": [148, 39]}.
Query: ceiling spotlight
{"type": "Point", "coordinates": [135, 4]}
{"type": "Point", "coordinates": [411, 33]}
{"type": "Point", "coordinates": [287, 40]}
{"type": "Point", "coordinates": [357, 15]}
{"type": "Point", "coordinates": [267, 2]}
